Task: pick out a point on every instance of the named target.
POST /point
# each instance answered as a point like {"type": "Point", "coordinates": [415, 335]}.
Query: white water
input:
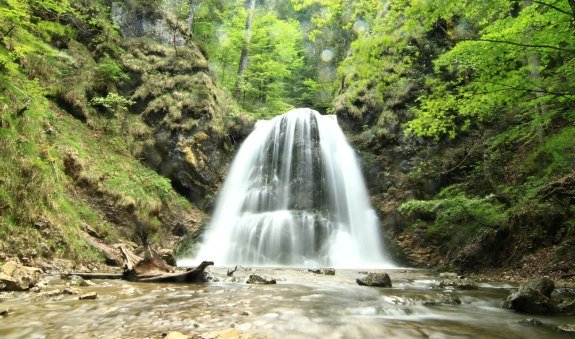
{"type": "Point", "coordinates": [295, 196]}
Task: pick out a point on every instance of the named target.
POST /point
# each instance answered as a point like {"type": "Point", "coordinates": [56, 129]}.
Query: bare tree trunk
{"type": "Point", "coordinates": [192, 15]}
{"type": "Point", "coordinates": [245, 50]}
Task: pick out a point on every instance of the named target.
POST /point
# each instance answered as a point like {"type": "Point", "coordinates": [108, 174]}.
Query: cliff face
{"type": "Point", "coordinates": [193, 126]}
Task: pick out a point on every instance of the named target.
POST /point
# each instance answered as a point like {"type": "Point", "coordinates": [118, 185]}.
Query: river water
{"type": "Point", "coordinates": [300, 305]}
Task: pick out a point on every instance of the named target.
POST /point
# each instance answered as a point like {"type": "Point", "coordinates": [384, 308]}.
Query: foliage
{"type": "Point", "coordinates": [453, 215]}
{"type": "Point", "coordinates": [41, 210]}
{"type": "Point", "coordinates": [513, 61]}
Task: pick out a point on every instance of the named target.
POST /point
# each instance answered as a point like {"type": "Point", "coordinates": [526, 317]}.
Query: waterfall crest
{"type": "Point", "coordinates": [294, 196]}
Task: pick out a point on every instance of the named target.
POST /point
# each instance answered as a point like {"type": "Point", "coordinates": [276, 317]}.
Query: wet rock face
{"type": "Point", "coordinates": [533, 297]}
{"type": "Point", "coordinates": [191, 131]}
{"type": "Point", "coordinates": [137, 20]}
{"type": "Point", "coordinates": [375, 280]}
{"type": "Point", "coordinates": [15, 277]}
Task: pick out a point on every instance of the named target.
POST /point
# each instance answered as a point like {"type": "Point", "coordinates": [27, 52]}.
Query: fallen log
{"type": "Point", "coordinates": [195, 274]}
{"type": "Point", "coordinates": [90, 276]}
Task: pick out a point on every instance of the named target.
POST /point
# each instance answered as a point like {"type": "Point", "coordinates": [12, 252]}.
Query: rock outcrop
{"type": "Point", "coordinates": [192, 126]}
{"type": "Point", "coordinates": [15, 277]}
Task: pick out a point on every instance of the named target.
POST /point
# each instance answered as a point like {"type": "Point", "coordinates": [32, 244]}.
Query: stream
{"type": "Point", "coordinates": [300, 305]}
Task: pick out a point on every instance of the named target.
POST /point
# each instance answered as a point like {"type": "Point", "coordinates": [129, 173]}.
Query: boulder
{"type": "Point", "coordinates": [15, 277]}
{"type": "Point", "coordinates": [255, 278]}
{"type": "Point", "coordinates": [533, 297]}
{"type": "Point", "coordinates": [375, 280]}
{"type": "Point", "coordinates": [324, 271]}
{"type": "Point", "coordinates": [57, 292]}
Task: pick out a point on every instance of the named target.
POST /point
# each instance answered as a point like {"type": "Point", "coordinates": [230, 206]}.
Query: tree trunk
{"type": "Point", "coordinates": [572, 4]}
{"type": "Point", "coordinates": [192, 15]}
{"type": "Point", "coordinates": [245, 50]}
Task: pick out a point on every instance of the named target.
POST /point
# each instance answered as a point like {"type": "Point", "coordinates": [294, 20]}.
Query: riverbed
{"type": "Point", "coordinates": [301, 305]}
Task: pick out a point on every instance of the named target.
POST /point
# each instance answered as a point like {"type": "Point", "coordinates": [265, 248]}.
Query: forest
{"type": "Point", "coordinates": [462, 113]}
{"type": "Point", "coordinates": [120, 121]}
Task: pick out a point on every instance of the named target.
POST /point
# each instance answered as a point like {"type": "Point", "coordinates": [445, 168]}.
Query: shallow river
{"type": "Point", "coordinates": [301, 305]}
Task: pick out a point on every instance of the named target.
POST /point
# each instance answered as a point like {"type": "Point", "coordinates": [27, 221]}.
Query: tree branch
{"type": "Point", "coordinates": [552, 6]}
{"type": "Point", "coordinates": [537, 89]}
{"type": "Point", "coordinates": [8, 31]}
{"type": "Point", "coordinates": [522, 44]}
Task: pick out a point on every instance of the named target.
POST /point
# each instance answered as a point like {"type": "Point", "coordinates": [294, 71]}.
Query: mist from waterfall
{"type": "Point", "coordinates": [294, 196]}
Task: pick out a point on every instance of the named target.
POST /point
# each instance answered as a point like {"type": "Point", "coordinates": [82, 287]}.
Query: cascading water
{"type": "Point", "coordinates": [295, 196]}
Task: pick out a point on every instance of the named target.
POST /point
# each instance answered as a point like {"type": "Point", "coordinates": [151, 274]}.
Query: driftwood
{"type": "Point", "coordinates": [150, 269]}
{"type": "Point", "coordinates": [90, 276]}
{"type": "Point", "coordinates": [195, 274]}
{"type": "Point", "coordinates": [154, 269]}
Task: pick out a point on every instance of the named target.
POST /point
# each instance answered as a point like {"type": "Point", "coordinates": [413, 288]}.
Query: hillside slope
{"type": "Point", "coordinates": [86, 126]}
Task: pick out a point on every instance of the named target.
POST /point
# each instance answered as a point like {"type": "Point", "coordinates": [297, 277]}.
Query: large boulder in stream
{"type": "Point", "coordinates": [375, 280]}
{"type": "Point", "coordinates": [15, 277]}
{"type": "Point", "coordinates": [533, 297]}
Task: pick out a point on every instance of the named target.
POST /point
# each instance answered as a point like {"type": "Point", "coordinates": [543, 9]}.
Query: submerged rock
{"type": "Point", "coordinates": [459, 284]}
{"type": "Point", "coordinates": [4, 312]}
{"type": "Point", "coordinates": [375, 280]}
{"type": "Point", "coordinates": [442, 299]}
{"type": "Point", "coordinates": [87, 283]}
{"type": "Point", "coordinates": [255, 278]}
{"type": "Point", "coordinates": [567, 328]}
{"type": "Point", "coordinates": [324, 271]}
{"type": "Point", "coordinates": [533, 297]}
{"type": "Point", "coordinates": [531, 321]}
{"type": "Point", "coordinates": [176, 335]}
{"type": "Point", "coordinates": [230, 333]}
{"type": "Point", "coordinates": [89, 296]}
{"type": "Point", "coordinates": [15, 277]}
{"type": "Point", "coordinates": [75, 280]}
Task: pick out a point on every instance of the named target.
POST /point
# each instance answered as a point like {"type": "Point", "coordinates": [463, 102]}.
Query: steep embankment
{"type": "Point", "coordinates": [492, 186]}
{"type": "Point", "coordinates": [79, 106]}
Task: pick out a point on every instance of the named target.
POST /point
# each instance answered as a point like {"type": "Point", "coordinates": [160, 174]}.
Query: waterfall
{"type": "Point", "coordinates": [294, 196]}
